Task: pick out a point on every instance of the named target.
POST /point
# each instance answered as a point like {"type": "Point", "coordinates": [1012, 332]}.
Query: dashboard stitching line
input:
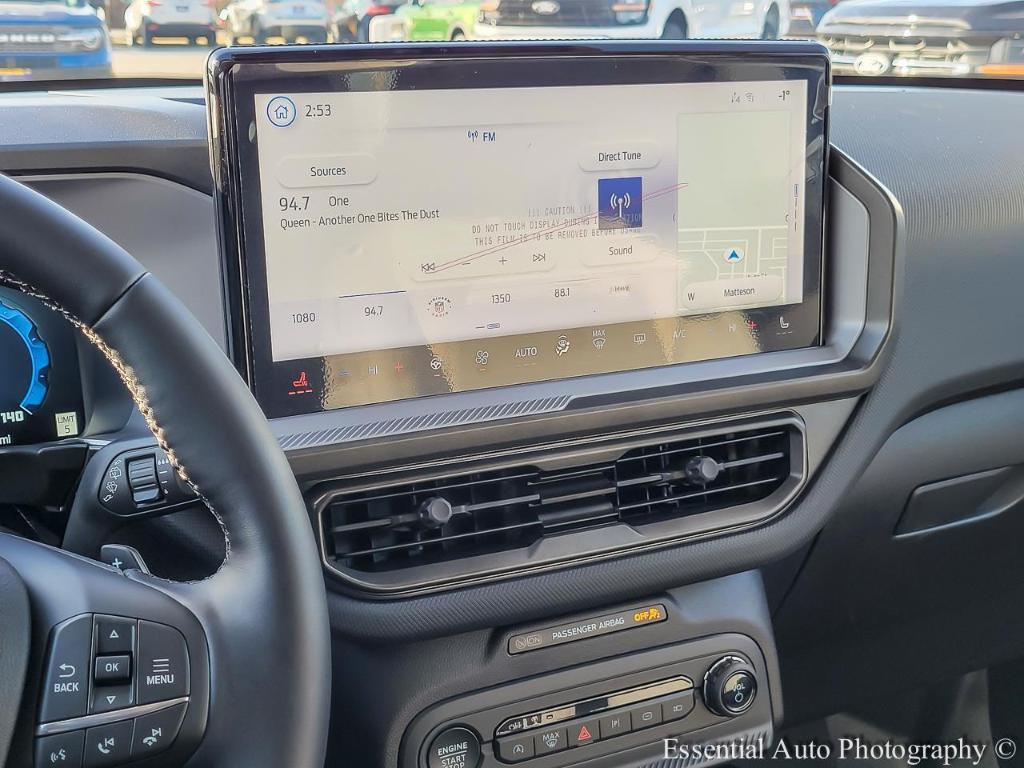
{"type": "Point", "coordinates": [134, 387]}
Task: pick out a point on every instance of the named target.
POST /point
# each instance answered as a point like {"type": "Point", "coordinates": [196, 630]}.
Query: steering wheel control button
{"type": "Point", "coordinates": [677, 707]}
{"type": "Point", "coordinates": [66, 686]}
{"type": "Point", "coordinates": [163, 663]}
{"type": "Point", "coordinates": [115, 634]}
{"type": "Point", "coordinates": [123, 557]}
{"type": "Point", "coordinates": [730, 687]}
{"type": "Point", "coordinates": [64, 750]}
{"type": "Point", "coordinates": [108, 744]}
{"type": "Point", "coordinates": [514, 749]}
{"type": "Point", "coordinates": [112, 669]}
{"type": "Point", "coordinates": [456, 747]}
{"type": "Point", "coordinates": [106, 697]}
{"type": "Point", "coordinates": [645, 716]}
{"type": "Point", "coordinates": [142, 479]}
{"type": "Point", "coordinates": [550, 740]}
{"type": "Point", "coordinates": [156, 732]}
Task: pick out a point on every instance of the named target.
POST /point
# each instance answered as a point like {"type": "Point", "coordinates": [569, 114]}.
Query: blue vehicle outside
{"type": "Point", "coordinates": [52, 40]}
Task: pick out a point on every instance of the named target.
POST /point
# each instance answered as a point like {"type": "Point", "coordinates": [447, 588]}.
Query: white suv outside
{"type": "Point", "coordinates": [630, 19]}
{"type": "Point", "coordinates": [148, 19]}
{"type": "Point", "coordinates": [288, 19]}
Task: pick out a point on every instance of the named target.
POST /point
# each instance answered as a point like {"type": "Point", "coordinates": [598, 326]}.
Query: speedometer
{"type": "Point", "coordinates": [27, 362]}
{"type": "Point", "coordinates": [40, 384]}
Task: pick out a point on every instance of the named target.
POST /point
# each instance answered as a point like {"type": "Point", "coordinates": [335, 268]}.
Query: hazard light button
{"type": "Point", "coordinates": [584, 733]}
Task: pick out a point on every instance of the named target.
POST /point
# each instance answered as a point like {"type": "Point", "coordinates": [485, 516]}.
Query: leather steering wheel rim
{"type": "Point", "coordinates": [264, 612]}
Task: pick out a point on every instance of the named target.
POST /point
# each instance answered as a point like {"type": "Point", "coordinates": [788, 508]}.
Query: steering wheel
{"type": "Point", "coordinates": [233, 670]}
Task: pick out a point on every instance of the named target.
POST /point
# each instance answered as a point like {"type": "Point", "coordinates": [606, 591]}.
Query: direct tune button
{"type": "Point", "coordinates": [162, 663]}
{"type": "Point", "coordinates": [456, 747]}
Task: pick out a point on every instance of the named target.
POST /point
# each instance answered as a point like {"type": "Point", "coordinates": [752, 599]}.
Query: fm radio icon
{"type": "Point", "coordinates": [620, 203]}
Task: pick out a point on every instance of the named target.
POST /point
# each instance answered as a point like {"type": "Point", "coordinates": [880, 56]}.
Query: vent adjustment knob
{"type": "Point", "coordinates": [702, 470]}
{"type": "Point", "coordinates": [730, 686]}
{"type": "Point", "coordinates": [436, 512]}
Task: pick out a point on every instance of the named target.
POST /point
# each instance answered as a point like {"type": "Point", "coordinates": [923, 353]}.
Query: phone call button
{"type": "Point", "coordinates": [108, 744]}
{"type": "Point", "coordinates": [154, 733]}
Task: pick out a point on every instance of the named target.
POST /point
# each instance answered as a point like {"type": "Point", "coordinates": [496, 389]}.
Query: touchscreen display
{"type": "Point", "coordinates": [432, 240]}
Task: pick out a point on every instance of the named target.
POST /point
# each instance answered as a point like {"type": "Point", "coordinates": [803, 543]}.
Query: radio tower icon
{"type": "Point", "coordinates": [620, 203]}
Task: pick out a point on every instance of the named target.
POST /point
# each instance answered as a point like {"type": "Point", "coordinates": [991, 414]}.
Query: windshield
{"type": "Point", "coordinates": [60, 40]}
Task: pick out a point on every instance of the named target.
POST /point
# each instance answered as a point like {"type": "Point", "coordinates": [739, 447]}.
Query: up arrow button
{"type": "Point", "coordinates": [114, 635]}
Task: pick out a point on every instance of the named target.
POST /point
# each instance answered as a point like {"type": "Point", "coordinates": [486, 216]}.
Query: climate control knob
{"type": "Point", "coordinates": [730, 686]}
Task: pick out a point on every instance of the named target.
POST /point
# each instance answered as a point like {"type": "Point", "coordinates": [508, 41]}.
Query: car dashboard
{"type": "Point", "coordinates": [598, 552]}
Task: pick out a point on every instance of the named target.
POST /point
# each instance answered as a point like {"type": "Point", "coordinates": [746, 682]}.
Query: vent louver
{"type": "Point", "coordinates": [446, 519]}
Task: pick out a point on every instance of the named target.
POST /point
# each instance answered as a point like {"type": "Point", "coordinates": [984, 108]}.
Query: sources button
{"type": "Point", "coordinates": [329, 171]}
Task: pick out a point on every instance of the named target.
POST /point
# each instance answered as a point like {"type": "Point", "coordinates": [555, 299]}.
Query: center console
{"type": "Point", "coordinates": [581, 321]}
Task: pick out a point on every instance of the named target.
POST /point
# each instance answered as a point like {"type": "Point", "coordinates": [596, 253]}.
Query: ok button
{"type": "Point", "coordinates": [112, 669]}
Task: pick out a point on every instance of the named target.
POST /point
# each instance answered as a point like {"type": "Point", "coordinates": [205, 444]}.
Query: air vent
{"type": "Point", "coordinates": [436, 521]}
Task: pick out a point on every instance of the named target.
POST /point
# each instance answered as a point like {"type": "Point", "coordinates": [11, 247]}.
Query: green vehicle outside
{"type": "Point", "coordinates": [427, 20]}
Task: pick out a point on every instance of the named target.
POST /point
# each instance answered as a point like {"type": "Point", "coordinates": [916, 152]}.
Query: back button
{"type": "Point", "coordinates": [66, 691]}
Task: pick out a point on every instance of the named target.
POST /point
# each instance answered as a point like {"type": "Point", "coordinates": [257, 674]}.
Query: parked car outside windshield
{"type": "Point", "coordinates": [50, 41]}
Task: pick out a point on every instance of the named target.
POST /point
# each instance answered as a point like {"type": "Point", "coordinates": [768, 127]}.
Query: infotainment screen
{"type": "Point", "coordinates": [404, 226]}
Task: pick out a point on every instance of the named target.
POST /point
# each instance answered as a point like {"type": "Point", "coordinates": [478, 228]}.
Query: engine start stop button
{"type": "Point", "coordinates": [454, 748]}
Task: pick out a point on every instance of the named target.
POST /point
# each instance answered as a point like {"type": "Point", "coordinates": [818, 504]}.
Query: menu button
{"type": "Point", "coordinates": [163, 663]}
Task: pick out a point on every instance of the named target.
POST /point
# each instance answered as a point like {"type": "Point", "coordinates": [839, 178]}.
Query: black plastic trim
{"type": "Point", "coordinates": [575, 548]}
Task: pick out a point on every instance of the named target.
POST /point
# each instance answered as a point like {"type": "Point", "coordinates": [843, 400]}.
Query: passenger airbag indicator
{"type": "Point", "coordinates": [589, 627]}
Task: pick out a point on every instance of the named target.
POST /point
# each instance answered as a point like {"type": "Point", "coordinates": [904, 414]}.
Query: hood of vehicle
{"type": "Point", "coordinates": [45, 13]}
{"type": "Point", "coordinates": [921, 16]}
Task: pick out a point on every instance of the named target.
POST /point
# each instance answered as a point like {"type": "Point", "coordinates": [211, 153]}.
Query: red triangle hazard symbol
{"type": "Point", "coordinates": [584, 734]}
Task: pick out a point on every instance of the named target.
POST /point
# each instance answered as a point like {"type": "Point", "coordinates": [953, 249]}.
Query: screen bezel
{"type": "Point", "coordinates": [235, 76]}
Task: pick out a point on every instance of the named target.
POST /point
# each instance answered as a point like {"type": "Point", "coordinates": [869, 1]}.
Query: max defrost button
{"type": "Point", "coordinates": [454, 748]}
{"type": "Point", "coordinates": [163, 663]}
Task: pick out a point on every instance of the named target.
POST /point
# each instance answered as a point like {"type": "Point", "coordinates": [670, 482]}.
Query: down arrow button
{"type": "Point", "coordinates": [163, 663]}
